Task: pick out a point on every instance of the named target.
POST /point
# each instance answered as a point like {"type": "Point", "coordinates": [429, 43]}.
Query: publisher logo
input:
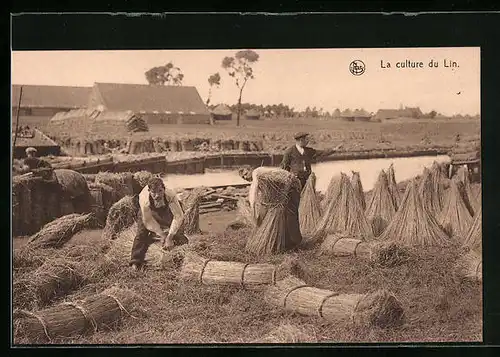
{"type": "Point", "coordinates": [357, 67]}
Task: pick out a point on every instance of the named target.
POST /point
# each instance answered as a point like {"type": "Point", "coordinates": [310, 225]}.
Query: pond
{"type": "Point", "coordinates": [404, 168]}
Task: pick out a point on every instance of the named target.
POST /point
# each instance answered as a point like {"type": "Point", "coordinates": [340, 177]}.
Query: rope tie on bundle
{"type": "Point", "coordinates": [39, 318]}
{"type": "Point", "coordinates": [203, 270]}
{"type": "Point", "coordinates": [120, 305]}
{"type": "Point", "coordinates": [320, 308]}
{"type": "Point", "coordinates": [243, 275]}
{"type": "Point", "coordinates": [291, 291]}
{"type": "Point", "coordinates": [84, 313]}
{"type": "Point", "coordinates": [355, 308]}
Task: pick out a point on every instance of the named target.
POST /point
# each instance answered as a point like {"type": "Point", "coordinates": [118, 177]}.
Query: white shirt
{"type": "Point", "coordinates": [147, 215]}
{"type": "Point", "coordinates": [300, 148]}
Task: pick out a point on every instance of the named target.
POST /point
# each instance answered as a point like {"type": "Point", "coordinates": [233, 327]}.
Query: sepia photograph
{"type": "Point", "coordinates": [246, 196]}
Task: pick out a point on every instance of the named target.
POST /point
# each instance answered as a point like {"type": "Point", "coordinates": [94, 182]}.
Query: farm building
{"type": "Point", "coordinates": [83, 121]}
{"type": "Point", "coordinates": [347, 115]}
{"type": "Point", "coordinates": [222, 112]}
{"type": "Point", "coordinates": [357, 115]}
{"type": "Point", "coordinates": [156, 104]}
{"type": "Point", "coordinates": [252, 114]}
{"type": "Point", "coordinates": [42, 102]}
{"type": "Point", "coordinates": [33, 138]}
{"type": "Point", "coordinates": [407, 112]}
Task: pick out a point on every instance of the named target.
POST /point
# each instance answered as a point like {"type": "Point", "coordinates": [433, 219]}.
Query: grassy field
{"type": "Point", "coordinates": [277, 134]}
{"type": "Point", "coordinates": [438, 306]}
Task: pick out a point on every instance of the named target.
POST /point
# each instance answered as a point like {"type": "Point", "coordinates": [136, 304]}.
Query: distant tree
{"type": "Point", "coordinates": [336, 113]}
{"type": "Point", "coordinates": [240, 68]}
{"type": "Point", "coordinates": [432, 114]}
{"type": "Point", "coordinates": [167, 74]}
{"type": "Point", "coordinates": [213, 80]}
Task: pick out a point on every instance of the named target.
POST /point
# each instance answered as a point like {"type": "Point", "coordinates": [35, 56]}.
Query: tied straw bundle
{"type": "Point", "coordinates": [98, 312]}
{"type": "Point", "coordinates": [248, 276]}
{"type": "Point", "coordinates": [474, 237]}
{"type": "Point", "coordinates": [431, 198]}
{"type": "Point", "coordinates": [381, 208]}
{"type": "Point", "coordinates": [277, 206]}
{"type": "Point", "coordinates": [121, 216]}
{"type": "Point", "coordinates": [393, 186]}
{"type": "Point", "coordinates": [343, 213]}
{"type": "Point", "coordinates": [140, 180]}
{"type": "Point", "coordinates": [191, 204]}
{"type": "Point", "coordinates": [470, 267]}
{"type": "Point", "coordinates": [358, 188]}
{"type": "Point", "coordinates": [56, 233]}
{"type": "Point", "coordinates": [455, 219]}
{"type": "Point", "coordinates": [384, 254]}
{"type": "Point", "coordinates": [122, 183]}
{"type": "Point", "coordinates": [309, 208]}
{"type": "Point", "coordinates": [380, 308]}
{"type": "Point", "coordinates": [413, 225]}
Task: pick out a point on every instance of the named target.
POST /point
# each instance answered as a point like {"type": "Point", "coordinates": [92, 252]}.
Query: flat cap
{"type": "Point", "coordinates": [30, 149]}
{"type": "Point", "coordinates": [300, 134]}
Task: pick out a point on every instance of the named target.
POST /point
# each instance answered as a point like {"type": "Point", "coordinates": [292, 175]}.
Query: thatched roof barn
{"type": "Point", "coordinates": [156, 104]}
{"type": "Point", "coordinates": [252, 114]}
{"type": "Point", "coordinates": [222, 112]}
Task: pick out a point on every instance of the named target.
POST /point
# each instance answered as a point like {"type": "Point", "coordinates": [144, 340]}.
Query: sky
{"type": "Point", "coordinates": [298, 77]}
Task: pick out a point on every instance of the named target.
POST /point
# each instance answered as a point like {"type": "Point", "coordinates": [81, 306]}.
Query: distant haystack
{"type": "Point", "coordinates": [474, 238]}
{"type": "Point", "coordinates": [380, 210]}
{"type": "Point", "coordinates": [222, 112]}
{"type": "Point", "coordinates": [413, 225]}
{"type": "Point", "coordinates": [455, 219]}
{"type": "Point", "coordinates": [393, 187]}
{"type": "Point", "coordinates": [343, 213]}
{"type": "Point", "coordinates": [358, 188]}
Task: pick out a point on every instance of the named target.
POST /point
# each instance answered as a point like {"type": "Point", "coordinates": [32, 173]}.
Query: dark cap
{"type": "Point", "coordinates": [300, 135]}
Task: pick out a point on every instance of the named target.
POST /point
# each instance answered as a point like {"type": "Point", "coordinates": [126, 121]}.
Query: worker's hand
{"type": "Point", "coordinates": [168, 242]}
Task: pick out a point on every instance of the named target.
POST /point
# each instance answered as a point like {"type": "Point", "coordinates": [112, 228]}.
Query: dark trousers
{"type": "Point", "coordinates": [144, 238]}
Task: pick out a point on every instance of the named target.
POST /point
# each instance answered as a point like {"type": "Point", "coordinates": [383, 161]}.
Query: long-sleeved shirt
{"type": "Point", "coordinates": [172, 215]}
{"type": "Point", "coordinates": [36, 163]}
{"type": "Point", "coordinates": [300, 163]}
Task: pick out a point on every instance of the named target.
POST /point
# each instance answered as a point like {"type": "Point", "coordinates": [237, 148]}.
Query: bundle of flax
{"type": "Point", "coordinates": [393, 187]}
{"type": "Point", "coordinates": [439, 176]}
{"type": "Point", "coordinates": [56, 233]}
{"type": "Point", "coordinates": [455, 219]}
{"type": "Point", "coordinates": [470, 266]}
{"type": "Point", "coordinates": [413, 225]}
{"type": "Point", "coordinates": [332, 190]}
{"type": "Point", "coordinates": [244, 217]}
{"type": "Point", "coordinates": [343, 214]}
{"type": "Point", "coordinates": [289, 333]}
{"type": "Point", "coordinates": [191, 205]}
{"type": "Point", "coordinates": [121, 216]}
{"type": "Point", "coordinates": [380, 308]}
{"type": "Point", "coordinates": [466, 191]}
{"type": "Point", "coordinates": [474, 237]}
{"type": "Point", "coordinates": [100, 311]}
{"type": "Point", "coordinates": [277, 207]}
{"type": "Point", "coordinates": [76, 193]}
{"type": "Point", "coordinates": [122, 247]}
{"type": "Point", "coordinates": [248, 276]}
{"type": "Point", "coordinates": [430, 196]}
{"type": "Point", "coordinates": [122, 183]}
{"type": "Point", "coordinates": [381, 208]}
{"type": "Point", "coordinates": [55, 278]}
{"type": "Point", "coordinates": [386, 254]}
{"type": "Point", "coordinates": [309, 208]}
{"type": "Point", "coordinates": [358, 188]}
{"type": "Point", "coordinates": [140, 180]}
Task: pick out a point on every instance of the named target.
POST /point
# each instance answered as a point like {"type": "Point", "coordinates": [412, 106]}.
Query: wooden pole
{"type": "Point", "coordinates": [17, 121]}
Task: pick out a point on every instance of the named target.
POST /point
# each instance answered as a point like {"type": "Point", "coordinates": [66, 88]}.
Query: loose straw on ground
{"type": "Point", "coordinates": [56, 233]}
{"type": "Point", "coordinates": [289, 333]}
{"type": "Point", "coordinates": [380, 210]}
{"type": "Point", "coordinates": [380, 253]}
{"type": "Point", "coordinates": [413, 225]}
{"type": "Point", "coordinates": [380, 308]}
{"type": "Point", "coordinates": [100, 311]}
{"type": "Point", "coordinates": [455, 219]}
{"type": "Point", "coordinates": [309, 208]}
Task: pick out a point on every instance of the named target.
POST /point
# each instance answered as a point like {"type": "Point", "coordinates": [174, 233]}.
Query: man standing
{"type": "Point", "coordinates": [298, 158]}
{"type": "Point", "coordinates": [159, 208]}
{"type": "Point", "coordinates": [33, 162]}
